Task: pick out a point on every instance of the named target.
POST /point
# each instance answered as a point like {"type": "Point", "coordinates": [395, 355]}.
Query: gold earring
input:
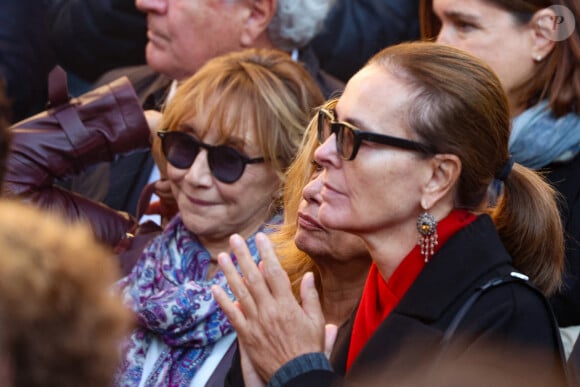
{"type": "Point", "coordinates": [428, 239]}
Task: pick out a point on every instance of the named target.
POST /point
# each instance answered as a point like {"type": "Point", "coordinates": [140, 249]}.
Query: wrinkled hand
{"type": "Point", "coordinates": [249, 372]}
{"type": "Point", "coordinates": [271, 326]}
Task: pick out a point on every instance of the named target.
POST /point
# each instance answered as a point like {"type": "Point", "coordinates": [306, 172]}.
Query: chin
{"type": "Point", "coordinates": [307, 243]}
{"type": "Point", "coordinates": [159, 61]}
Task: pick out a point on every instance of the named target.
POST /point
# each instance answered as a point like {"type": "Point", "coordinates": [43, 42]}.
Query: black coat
{"type": "Point", "coordinates": [513, 313]}
{"type": "Point", "coordinates": [91, 37]}
{"type": "Point", "coordinates": [565, 177]}
{"type": "Point", "coordinates": [355, 30]}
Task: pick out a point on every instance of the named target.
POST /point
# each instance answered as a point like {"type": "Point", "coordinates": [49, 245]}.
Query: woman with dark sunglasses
{"type": "Point", "coordinates": [229, 133]}
{"type": "Point", "coordinates": [465, 244]}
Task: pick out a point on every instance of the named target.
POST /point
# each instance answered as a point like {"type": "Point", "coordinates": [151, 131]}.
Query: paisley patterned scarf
{"type": "Point", "coordinates": [172, 299]}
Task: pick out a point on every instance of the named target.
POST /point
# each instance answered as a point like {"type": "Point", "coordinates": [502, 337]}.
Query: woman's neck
{"type": "Point", "coordinates": [342, 284]}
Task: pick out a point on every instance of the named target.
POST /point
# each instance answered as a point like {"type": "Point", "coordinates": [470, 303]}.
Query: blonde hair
{"type": "Point", "coordinates": [295, 261]}
{"type": "Point", "coordinates": [259, 90]}
{"type": "Point", "coordinates": [61, 323]}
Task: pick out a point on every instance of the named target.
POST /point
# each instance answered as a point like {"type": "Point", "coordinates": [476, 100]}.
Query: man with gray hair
{"type": "Point", "coordinates": [182, 36]}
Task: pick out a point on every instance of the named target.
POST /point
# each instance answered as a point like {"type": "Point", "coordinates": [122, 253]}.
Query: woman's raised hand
{"type": "Point", "coordinates": [272, 327]}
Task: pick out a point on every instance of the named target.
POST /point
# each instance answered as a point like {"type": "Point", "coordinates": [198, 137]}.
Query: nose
{"type": "Point", "coordinates": [311, 192]}
{"type": "Point", "coordinates": [199, 173]}
{"type": "Point", "coordinates": [326, 154]}
{"type": "Point", "coordinates": [151, 6]}
{"type": "Point", "coordinates": [444, 36]}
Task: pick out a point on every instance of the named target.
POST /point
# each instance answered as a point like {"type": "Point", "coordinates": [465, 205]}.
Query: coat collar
{"type": "Point", "coordinates": [465, 259]}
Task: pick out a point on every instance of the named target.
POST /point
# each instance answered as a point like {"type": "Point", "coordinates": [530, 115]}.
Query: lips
{"type": "Point", "coordinates": [199, 202]}
{"type": "Point", "coordinates": [155, 37]}
{"type": "Point", "coordinates": [307, 222]}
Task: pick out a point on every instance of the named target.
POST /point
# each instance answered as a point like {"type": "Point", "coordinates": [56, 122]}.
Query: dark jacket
{"type": "Point", "coordinates": [91, 37]}
{"type": "Point", "coordinates": [565, 177]}
{"type": "Point", "coordinates": [512, 314]}
{"type": "Point", "coordinates": [128, 175]}
{"type": "Point", "coordinates": [26, 56]}
{"type": "Point", "coordinates": [355, 30]}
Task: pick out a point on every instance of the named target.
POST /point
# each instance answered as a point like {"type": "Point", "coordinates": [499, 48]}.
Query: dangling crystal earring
{"type": "Point", "coordinates": [427, 227]}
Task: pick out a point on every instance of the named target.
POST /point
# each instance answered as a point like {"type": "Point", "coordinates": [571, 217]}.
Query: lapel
{"type": "Point", "coordinates": [466, 261]}
{"type": "Point", "coordinates": [462, 262]}
{"type": "Point", "coordinates": [150, 86]}
{"type": "Point", "coordinates": [129, 174]}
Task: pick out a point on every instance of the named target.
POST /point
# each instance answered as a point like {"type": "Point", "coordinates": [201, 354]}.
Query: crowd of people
{"type": "Point", "coordinates": [256, 205]}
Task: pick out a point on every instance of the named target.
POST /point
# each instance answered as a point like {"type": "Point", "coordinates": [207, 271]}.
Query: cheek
{"type": "Point", "coordinates": [253, 189]}
{"type": "Point", "coordinates": [174, 175]}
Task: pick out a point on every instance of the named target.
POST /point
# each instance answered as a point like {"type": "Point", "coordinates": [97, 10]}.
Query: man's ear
{"type": "Point", "coordinates": [445, 172]}
{"type": "Point", "coordinates": [543, 28]}
{"type": "Point", "coordinates": [256, 22]}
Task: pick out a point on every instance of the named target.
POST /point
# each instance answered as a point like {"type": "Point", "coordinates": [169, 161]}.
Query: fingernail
{"type": "Point", "coordinates": [223, 259]}
{"type": "Point", "coordinates": [309, 279]}
{"type": "Point", "coordinates": [236, 240]}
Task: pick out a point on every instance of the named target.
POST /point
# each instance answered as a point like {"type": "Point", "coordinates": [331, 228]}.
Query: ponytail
{"type": "Point", "coordinates": [528, 222]}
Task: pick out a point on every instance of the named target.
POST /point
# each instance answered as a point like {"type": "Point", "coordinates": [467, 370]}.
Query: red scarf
{"type": "Point", "coordinates": [380, 297]}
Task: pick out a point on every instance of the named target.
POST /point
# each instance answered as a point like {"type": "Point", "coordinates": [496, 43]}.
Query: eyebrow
{"type": "Point", "coordinates": [458, 15]}
{"type": "Point", "coordinates": [352, 121]}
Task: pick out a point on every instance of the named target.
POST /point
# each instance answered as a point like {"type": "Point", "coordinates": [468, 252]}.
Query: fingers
{"type": "Point", "coordinates": [276, 278]}
{"type": "Point", "coordinates": [310, 301]}
{"type": "Point", "coordinates": [237, 284]}
{"type": "Point", "coordinates": [330, 332]}
{"type": "Point", "coordinates": [249, 372]}
{"type": "Point", "coordinates": [253, 278]}
{"type": "Point", "coordinates": [230, 308]}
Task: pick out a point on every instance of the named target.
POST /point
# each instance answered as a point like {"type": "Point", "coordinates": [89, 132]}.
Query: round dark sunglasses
{"type": "Point", "coordinates": [349, 138]}
{"type": "Point", "coordinates": [226, 164]}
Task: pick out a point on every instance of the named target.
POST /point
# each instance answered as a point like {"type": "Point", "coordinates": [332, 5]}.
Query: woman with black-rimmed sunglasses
{"type": "Point", "coordinates": [415, 162]}
{"type": "Point", "coordinates": [229, 133]}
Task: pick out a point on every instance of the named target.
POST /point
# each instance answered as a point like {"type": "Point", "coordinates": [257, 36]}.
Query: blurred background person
{"type": "Point", "coordinates": [61, 324]}
{"type": "Point", "coordinates": [539, 67]}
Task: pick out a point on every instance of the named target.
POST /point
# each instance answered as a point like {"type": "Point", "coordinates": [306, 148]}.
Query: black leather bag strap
{"type": "Point", "coordinates": [512, 277]}
{"type": "Point", "coordinates": [491, 284]}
